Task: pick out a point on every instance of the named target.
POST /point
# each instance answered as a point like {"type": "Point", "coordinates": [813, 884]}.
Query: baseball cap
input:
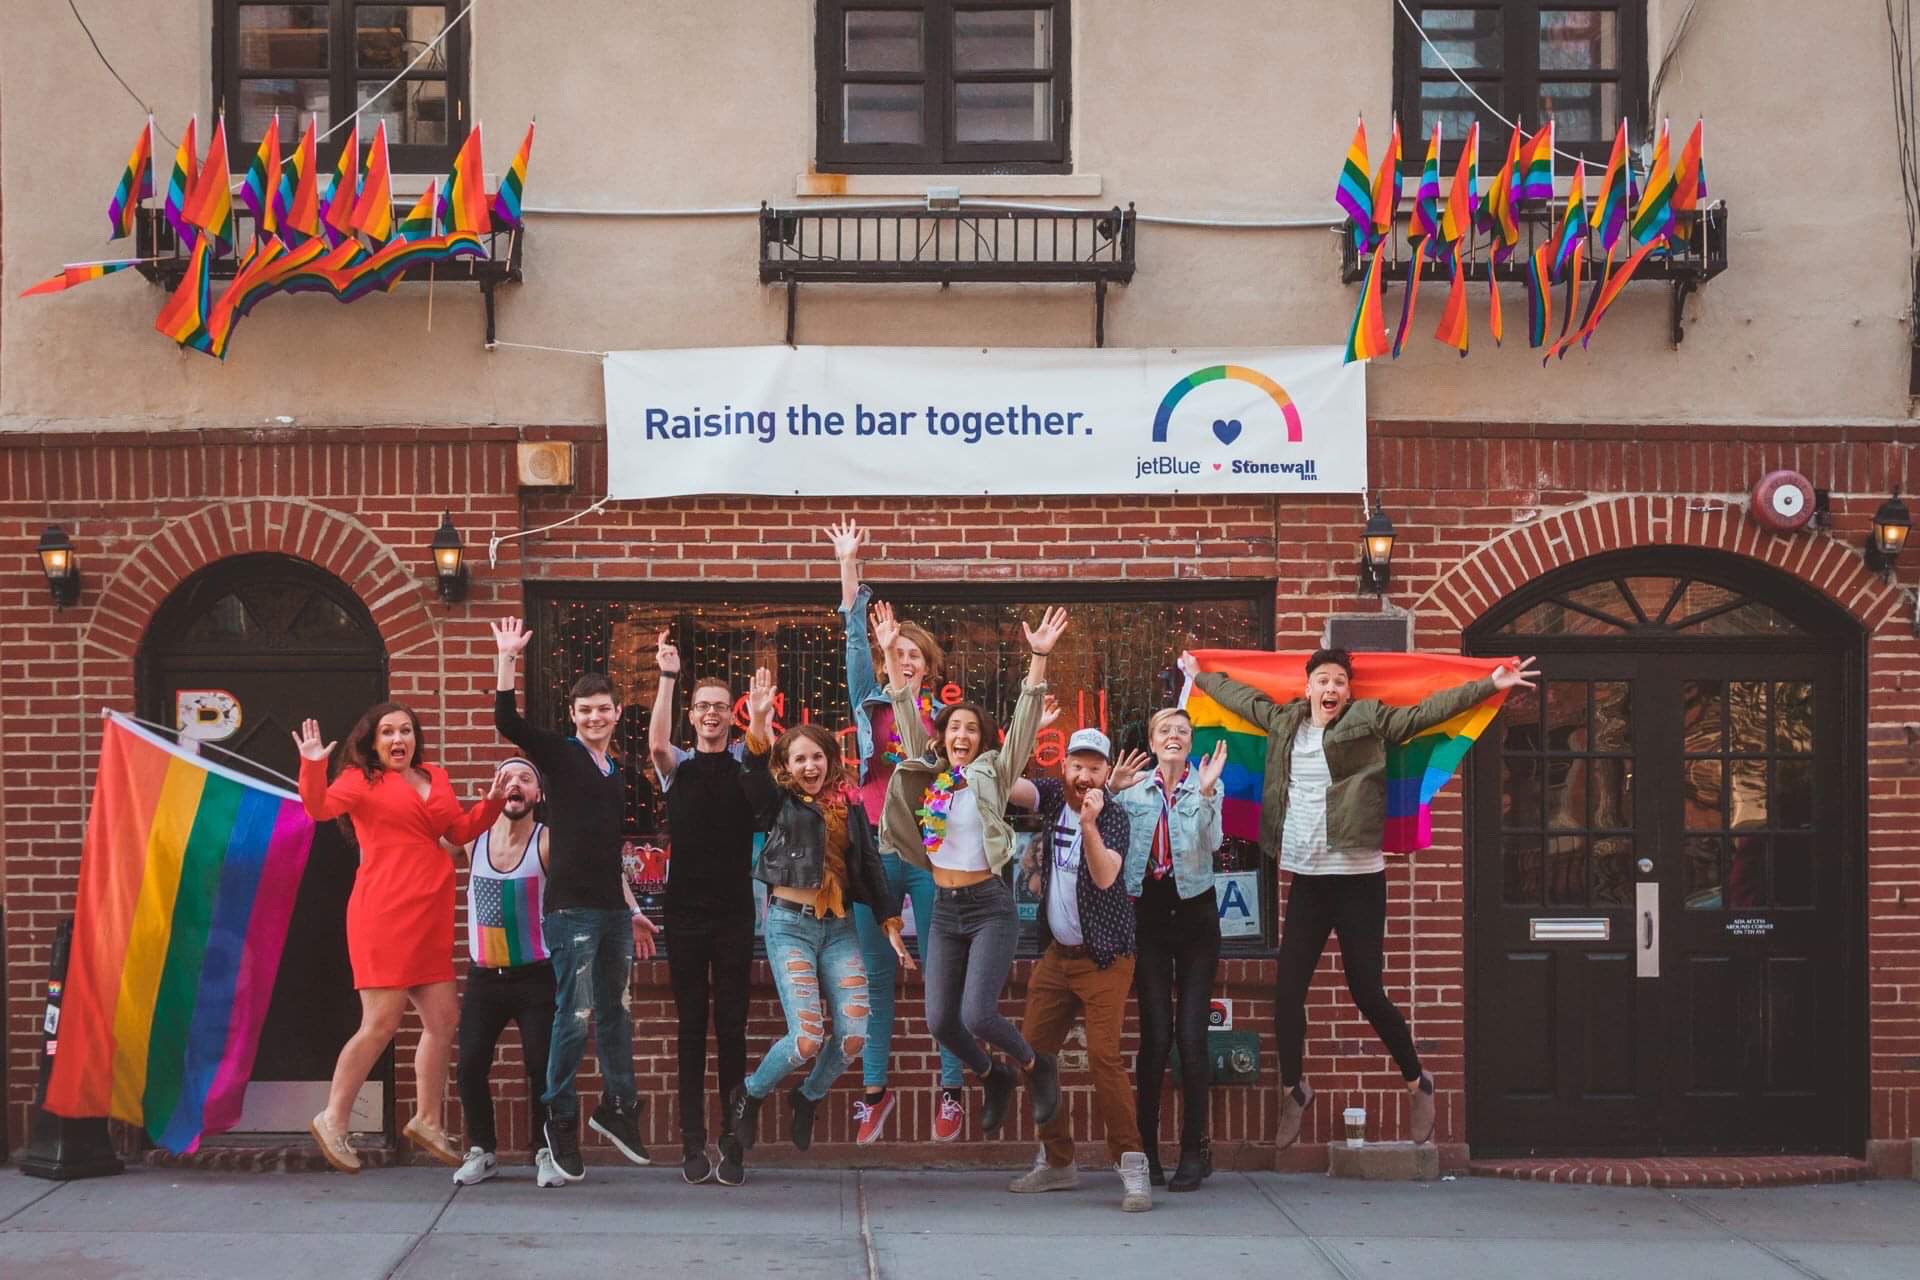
{"type": "Point", "coordinates": [1090, 740]}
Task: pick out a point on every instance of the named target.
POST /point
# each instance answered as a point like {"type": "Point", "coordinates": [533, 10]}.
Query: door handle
{"type": "Point", "coordinates": [1646, 961]}
{"type": "Point", "coordinates": [1647, 942]}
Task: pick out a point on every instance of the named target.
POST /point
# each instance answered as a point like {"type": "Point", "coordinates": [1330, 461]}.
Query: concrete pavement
{"type": "Point", "coordinates": [413, 1223]}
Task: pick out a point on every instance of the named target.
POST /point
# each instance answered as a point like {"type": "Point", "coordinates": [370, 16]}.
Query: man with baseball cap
{"type": "Point", "coordinates": [1086, 931]}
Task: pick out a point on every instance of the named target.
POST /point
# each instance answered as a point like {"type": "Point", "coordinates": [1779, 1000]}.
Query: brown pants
{"type": "Point", "coordinates": [1058, 990]}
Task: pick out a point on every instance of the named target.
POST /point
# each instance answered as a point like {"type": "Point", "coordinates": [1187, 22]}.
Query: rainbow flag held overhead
{"type": "Point", "coordinates": [1416, 769]}
{"type": "Point", "coordinates": [513, 186]}
{"type": "Point", "coordinates": [1385, 196]}
{"type": "Point", "coordinates": [1368, 336]}
{"type": "Point", "coordinates": [188, 875]}
{"type": "Point", "coordinates": [84, 273]}
{"type": "Point", "coordinates": [258, 188]}
{"type": "Point", "coordinates": [136, 184]}
{"type": "Point", "coordinates": [1353, 192]}
{"type": "Point", "coordinates": [186, 172]}
{"type": "Point", "coordinates": [463, 198]}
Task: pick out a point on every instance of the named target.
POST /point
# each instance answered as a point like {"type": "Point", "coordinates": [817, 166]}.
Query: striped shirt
{"type": "Point", "coordinates": [1303, 844]}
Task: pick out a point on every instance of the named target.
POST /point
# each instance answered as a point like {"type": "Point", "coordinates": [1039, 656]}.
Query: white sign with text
{"type": "Point", "coordinates": [843, 421]}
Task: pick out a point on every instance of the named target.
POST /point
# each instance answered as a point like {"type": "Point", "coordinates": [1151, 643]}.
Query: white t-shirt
{"type": "Point", "coordinates": [1303, 841]}
{"type": "Point", "coordinates": [1063, 893]}
{"type": "Point", "coordinates": [965, 846]}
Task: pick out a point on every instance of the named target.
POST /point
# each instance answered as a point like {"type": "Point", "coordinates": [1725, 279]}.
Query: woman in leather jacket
{"type": "Point", "coordinates": [820, 858]}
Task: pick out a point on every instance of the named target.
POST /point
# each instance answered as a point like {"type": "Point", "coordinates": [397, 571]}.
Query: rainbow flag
{"type": "Point", "coordinates": [1539, 295]}
{"type": "Point", "coordinates": [1610, 204]}
{"type": "Point", "coordinates": [1463, 197]}
{"type": "Point", "coordinates": [1496, 323]}
{"type": "Point", "coordinates": [1426, 199]}
{"type": "Point", "coordinates": [373, 211]}
{"type": "Point", "coordinates": [186, 171]}
{"type": "Point", "coordinates": [136, 184]}
{"type": "Point", "coordinates": [1576, 263]}
{"type": "Point", "coordinates": [343, 190]}
{"type": "Point", "coordinates": [463, 200]}
{"type": "Point", "coordinates": [1534, 178]}
{"type": "Point", "coordinates": [513, 187]}
{"type": "Point", "coordinates": [1610, 289]}
{"type": "Point", "coordinates": [84, 273]}
{"type": "Point", "coordinates": [257, 189]}
{"type": "Point", "coordinates": [419, 222]}
{"type": "Point", "coordinates": [1416, 769]}
{"type": "Point", "coordinates": [1353, 192]}
{"type": "Point", "coordinates": [1385, 196]}
{"type": "Point", "coordinates": [184, 317]}
{"type": "Point", "coordinates": [1497, 210]}
{"type": "Point", "coordinates": [1573, 221]}
{"type": "Point", "coordinates": [296, 202]}
{"type": "Point", "coordinates": [224, 314]}
{"type": "Point", "coordinates": [1452, 329]}
{"type": "Point", "coordinates": [210, 206]}
{"type": "Point", "coordinates": [1653, 218]}
{"type": "Point", "coordinates": [1689, 179]}
{"type": "Point", "coordinates": [1368, 336]}
{"type": "Point", "coordinates": [188, 875]}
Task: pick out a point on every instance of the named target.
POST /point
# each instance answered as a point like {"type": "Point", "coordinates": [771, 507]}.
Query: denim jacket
{"type": "Point", "coordinates": [1193, 828]}
{"type": "Point", "coordinates": [865, 691]}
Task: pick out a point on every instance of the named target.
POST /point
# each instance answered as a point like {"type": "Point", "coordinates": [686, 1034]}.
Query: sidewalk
{"type": "Point", "coordinates": [413, 1223]}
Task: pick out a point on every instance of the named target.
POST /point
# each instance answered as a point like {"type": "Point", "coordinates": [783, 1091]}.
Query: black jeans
{"type": "Point", "coordinates": [709, 955]}
{"type": "Point", "coordinates": [1177, 948]}
{"type": "Point", "coordinates": [493, 998]}
{"type": "Point", "coordinates": [1355, 909]}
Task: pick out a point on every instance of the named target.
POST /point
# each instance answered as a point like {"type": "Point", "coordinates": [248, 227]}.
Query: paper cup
{"type": "Point", "coordinates": [1356, 1118]}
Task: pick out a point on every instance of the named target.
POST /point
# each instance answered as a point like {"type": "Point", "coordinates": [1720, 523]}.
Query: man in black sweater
{"type": "Point", "coordinates": [592, 925]}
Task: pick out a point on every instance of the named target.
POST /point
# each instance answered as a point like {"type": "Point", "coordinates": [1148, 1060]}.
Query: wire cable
{"type": "Point", "coordinates": [115, 74]}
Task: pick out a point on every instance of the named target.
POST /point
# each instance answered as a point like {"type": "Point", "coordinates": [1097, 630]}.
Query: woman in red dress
{"type": "Point", "coordinates": [400, 917]}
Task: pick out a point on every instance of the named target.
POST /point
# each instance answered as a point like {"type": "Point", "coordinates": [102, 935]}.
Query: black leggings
{"type": "Point", "coordinates": [1355, 909]}
{"type": "Point", "coordinates": [1177, 943]}
{"type": "Point", "coordinates": [493, 998]}
{"type": "Point", "coordinates": [709, 955]}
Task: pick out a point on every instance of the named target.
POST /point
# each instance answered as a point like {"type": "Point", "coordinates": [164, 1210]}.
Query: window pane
{"type": "Point", "coordinates": [1566, 715]}
{"type": "Point", "coordinates": [389, 36]}
{"type": "Point", "coordinates": [1747, 715]}
{"type": "Point", "coordinates": [415, 112]}
{"type": "Point", "coordinates": [1521, 870]}
{"type": "Point", "coordinates": [1750, 619]}
{"type": "Point", "coordinates": [1467, 39]}
{"type": "Point", "coordinates": [1747, 794]}
{"type": "Point", "coordinates": [1601, 597]}
{"type": "Point", "coordinates": [1612, 723]}
{"type": "Point", "coordinates": [1448, 102]}
{"type": "Point", "coordinates": [1746, 885]}
{"type": "Point", "coordinates": [1612, 782]}
{"type": "Point", "coordinates": [1793, 794]}
{"type": "Point", "coordinates": [1567, 794]}
{"type": "Point", "coordinates": [1703, 788]}
{"type": "Point", "coordinates": [1521, 714]}
{"type": "Point", "coordinates": [1520, 796]}
{"type": "Point", "coordinates": [1652, 594]}
{"type": "Point", "coordinates": [1003, 112]}
{"type": "Point", "coordinates": [1702, 714]}
{"type": "Point", "coordinates": [1793, 717]}
{"type": "Point", "coordinates": [884, 113]}
{"type": "Point", "coordinates": [1579, 40]}
{"type": "Point", "coordinates": [1582, 113]}
{"type": "Point", "coordinates": [295, 100]}
{"type": "Point", "coordinates": [1613, 871]}
{"type": "Point", "coordinates": [883, 40]}
{"type": "Point", "coordinates": [1793, 871]}
{"type": "Point", "coordinates": [1003, 40]}
{"type": "Point", "coordinates": [1700, 873]}
{"type": "Point", "coordinates": [273, 36]}
{"type": "Point", "coordinates": [1566, 871]}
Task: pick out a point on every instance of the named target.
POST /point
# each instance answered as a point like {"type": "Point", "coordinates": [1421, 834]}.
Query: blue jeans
{"type": "Point", "coordinates": [969, 954]}
{"type": "Point", "coordinates": [592, 962]}
{"type": "Point", "coordinates": [913, 882]}
{"type": "Point", "coordinates": [809, 955]}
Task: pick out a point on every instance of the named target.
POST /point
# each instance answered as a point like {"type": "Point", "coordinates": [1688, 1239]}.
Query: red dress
{"type": "Point", "coordinates": [400, 917]}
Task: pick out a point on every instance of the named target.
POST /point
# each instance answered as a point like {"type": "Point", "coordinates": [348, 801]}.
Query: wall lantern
{"type": "Point", "coordinates": [1376, 553]}
{"type": "Point", "coordinates": [57, 562]}
{"type": "Point", "coordinates": [1890, 525]}
{"type": "Point", "coordinates": [447, 557]}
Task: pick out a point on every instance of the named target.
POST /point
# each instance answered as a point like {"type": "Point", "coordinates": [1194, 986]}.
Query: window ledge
{"type": "Point", "coordinates": [969, 184]}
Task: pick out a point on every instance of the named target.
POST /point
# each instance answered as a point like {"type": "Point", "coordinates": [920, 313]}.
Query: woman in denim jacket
{"type": "Point", "coordinates": [1174, 813]}
{"type": "Point", "coordinates": [880, 749]}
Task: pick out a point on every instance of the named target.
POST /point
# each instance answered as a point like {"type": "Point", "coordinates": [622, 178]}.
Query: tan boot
{"type": "Point", "coordinates": [1420, 1115]}
{"type": "Point", "coordinates": [432, 1139]}
{"type": "Point", "coordinates": [1293, 1110]}
{"type": "Point", "coordinates": [334, 1145]}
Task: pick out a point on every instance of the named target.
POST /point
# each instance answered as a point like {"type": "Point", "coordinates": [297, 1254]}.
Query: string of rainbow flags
{"type": "Point", "coordinates": [342, 240]}
{"type": "Point", "coordinates": [1443, 229]}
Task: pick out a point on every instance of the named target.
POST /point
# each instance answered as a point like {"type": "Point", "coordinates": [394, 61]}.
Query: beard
{"type": "Point", "coordinates": [517, 807]}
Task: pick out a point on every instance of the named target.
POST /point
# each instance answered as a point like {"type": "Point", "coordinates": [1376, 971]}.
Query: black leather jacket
{"type": "Point", "coordinates": [796, 836]}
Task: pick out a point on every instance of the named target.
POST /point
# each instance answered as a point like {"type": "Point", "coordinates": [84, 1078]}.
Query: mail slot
{"type": "Point", "coordinates": [1570, 929]}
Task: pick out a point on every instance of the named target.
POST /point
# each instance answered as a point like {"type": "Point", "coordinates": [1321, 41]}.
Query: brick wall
{"type": "Point", "coordinates": [1480, 510]}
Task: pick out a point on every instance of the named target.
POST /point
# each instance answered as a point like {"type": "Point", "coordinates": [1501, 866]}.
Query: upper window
{"type": "Point", "coordinates": [961, 85]}
{"type": "Point", "coordinates": [330, 59]}
{"type": "Point", "coordinates": [1585, 65]}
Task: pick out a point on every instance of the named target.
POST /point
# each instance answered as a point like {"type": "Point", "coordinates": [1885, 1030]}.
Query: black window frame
{"type": "Point", "coordinates": [1517, 87]}
{"type": "Point", "coordinates": [940, 151]}
{"type": "Point", "coordinates": [343, 78]}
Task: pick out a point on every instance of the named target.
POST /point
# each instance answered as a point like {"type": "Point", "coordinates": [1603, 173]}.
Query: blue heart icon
{"type": "Point", "coordinates": [1228, 429]}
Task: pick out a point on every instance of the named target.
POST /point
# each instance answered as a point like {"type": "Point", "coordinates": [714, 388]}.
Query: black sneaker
{"type": "Point", "coordinates": [744, 1110]}
{"type": "Point", "coordinates": [733, 1162]}
{"type": "Point", "coordinates": [563, 1140]}
{"type": "Point", "coordinates": [694, 1165]}
{"type": "Point", "coordinates": [998, 1086]}
{"type": "Point", "coordinates": [1043, 1085]}
{"type": "Point", "coordinates": [621, 1126]}
{"type": "Point", "coordinates": [802, 1120]}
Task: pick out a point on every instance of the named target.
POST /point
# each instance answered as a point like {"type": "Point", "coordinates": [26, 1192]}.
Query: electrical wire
{"type": "Point", "coordinates": [115, 74]}
{"type": "Point", "coordinates": [493, 543]}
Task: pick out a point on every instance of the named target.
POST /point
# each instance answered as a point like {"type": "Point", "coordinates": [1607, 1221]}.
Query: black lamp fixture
{"type": "Point", "coordinates": [1888, 535]}
{"type": "Point", "coordinates": [1376, 552]}
{"type": "Point", "coordinates": [448, 555]}
{"type": "Point", "coordinates": [58, 563]}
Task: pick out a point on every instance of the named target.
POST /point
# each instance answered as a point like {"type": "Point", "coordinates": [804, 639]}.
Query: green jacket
{"type": "Point", "coordinates": [1356, 747]}
{"type": "Point", "coordinates": [991, 774]}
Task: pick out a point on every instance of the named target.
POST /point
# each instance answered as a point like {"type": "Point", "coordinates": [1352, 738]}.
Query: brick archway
{"type": "Point", "coordinates": [337, 543]}
{"type": "Point", "coordinates": [1503, 565]}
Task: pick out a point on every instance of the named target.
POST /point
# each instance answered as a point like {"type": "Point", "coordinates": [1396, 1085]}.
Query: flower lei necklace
{"type": "Point", "coordinates": [934, 809]}
{"type": "Point", "coordinates": [923, 701]}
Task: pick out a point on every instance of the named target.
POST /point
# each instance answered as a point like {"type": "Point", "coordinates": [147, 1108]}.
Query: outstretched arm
{"type": "Point", "coordinates": [1397, 724]}
{"type": "Point", "coordinates": [1029, 711]}
{"type": "Point", "coordinates": [510, 637]}
{"type": "Point", "coordinates": [477, 818]}
{"type": "Point", "coordinates": [906, 710]}
{"type": "Point", "coordinates": [1243, 700]}
{"type": "Point", "coordinates": [321, 799]}
{"type": "Point", "coordinates": [847, 539]}
{"type": "Point", "coordinates": [660, 723]}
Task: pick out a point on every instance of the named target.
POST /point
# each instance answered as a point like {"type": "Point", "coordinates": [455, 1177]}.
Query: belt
{"type": "Point", "coordinates": [1071, 953]}
{"type": "Point", "coordinates": [798, 908]}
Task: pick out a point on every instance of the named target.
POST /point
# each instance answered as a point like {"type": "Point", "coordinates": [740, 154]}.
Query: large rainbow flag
{"type": "Point", "coordinates": [1416, 769]}
{"type": "Point", "coordinates": [187, 880]}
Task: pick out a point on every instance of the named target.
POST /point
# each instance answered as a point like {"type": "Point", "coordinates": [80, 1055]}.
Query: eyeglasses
{"type": "Point", "coordinates": [711, 706]}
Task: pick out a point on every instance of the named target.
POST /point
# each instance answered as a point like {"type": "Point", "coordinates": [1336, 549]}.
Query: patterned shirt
{"type": "Point", "coordinates": [1105, 916]}
{"type": "Point", "coordinates": [1303, 845]}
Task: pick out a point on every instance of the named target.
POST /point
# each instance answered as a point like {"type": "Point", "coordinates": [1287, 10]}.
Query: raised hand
{"type": "Point", "coordinates": [667, 655]}
{"type": "Point", "coordinates": [1129, 769]}
{"type": "Point", "coordinates": [1090, 806]}
{"type": "Point", "coordinates": [885, 627]}
{"type": "Point", "coordinates": [498, 791]}
{"type": "Point", "coordinates": [1212, 766]}
{"type": "Point", "coordinates": [1519, 676]}
{"type": "Point", "coordinates": [847, 539]}
{"type": "Point", "coordinates": [511, 636]}
{"type": "Point", "coordinates": [307, 742]}
{"type": "Point", "coordinates": [1049, 711]}
{"type": "Point", "coordinates": [1189, 665]}
{"type": "Point", "coordinates": [1041, 639]}
{"type": "Point", "coordinates": [760, 696]}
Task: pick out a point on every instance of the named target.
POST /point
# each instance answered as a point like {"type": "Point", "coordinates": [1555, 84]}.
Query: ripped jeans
{"type": "Point", "coordinates": [806, 955]}
{"type": "Point", "coordinates": [592, 962]}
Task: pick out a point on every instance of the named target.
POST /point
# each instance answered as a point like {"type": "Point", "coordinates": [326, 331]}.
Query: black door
{"type": "Point", "coordinates": [271, 641]}
{"type": "Point", "coordinates": [1666, 872]}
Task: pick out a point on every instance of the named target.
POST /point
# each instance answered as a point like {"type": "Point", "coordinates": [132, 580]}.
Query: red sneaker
{"type": "Point", "coordinates": [869, 1118]}
{"type": "Point", "coordinates": [950, 1118]}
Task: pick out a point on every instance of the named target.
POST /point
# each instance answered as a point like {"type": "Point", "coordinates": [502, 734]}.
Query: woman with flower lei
{"type": "Point", "coordinates": [946, 812]}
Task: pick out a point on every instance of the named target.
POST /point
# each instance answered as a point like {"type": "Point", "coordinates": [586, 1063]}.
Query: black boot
{"type": "Point", "coordinates": [1194, 1162]}
{"type": "Point", "coordinates": [998, 1085]}
{"type": "Point", "coordinates": [1155, 1174]}
{"type": "Point", "coordinates": [802, 1120]}
{"type": "Point", "coordinates": [1043, 1084]}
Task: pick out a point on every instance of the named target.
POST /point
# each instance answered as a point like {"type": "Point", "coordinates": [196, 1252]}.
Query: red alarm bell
{"type": "Point", "coordinates": [1782, 501]}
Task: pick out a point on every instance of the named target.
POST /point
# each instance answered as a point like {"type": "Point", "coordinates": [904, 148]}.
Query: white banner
{"type": "Point", "coordinates": [841, 421]}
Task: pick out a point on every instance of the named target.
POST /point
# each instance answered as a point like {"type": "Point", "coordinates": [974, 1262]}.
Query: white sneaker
{"type": "Point", "coordinates": [547, 1169]}
{"type": "Point", "coordinates": [479, 1166]}
{"type": "Point", "coordinates": [1044, 1177]}
{"type": "Point", "coordinates": [1138, 1197]}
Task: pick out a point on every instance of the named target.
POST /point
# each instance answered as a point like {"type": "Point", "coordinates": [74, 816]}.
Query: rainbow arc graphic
{"type": "Point", "coordinates": [1180, 390]}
